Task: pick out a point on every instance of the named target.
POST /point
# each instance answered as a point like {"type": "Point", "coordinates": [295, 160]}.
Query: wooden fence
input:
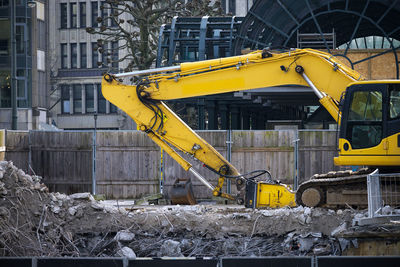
{"type": "Point", "coordinates": [128, 163]}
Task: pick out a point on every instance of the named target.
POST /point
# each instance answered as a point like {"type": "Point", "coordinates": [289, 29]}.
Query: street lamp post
{"type": "Point", "coordinates": [14, 115]}
{"type": "Point", "coordinates": [94, 155]}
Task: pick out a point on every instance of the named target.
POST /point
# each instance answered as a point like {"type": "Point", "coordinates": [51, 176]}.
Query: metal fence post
{"type": "Point", "coordinates": [94, 155]}
{"type": "Point", "coordinates": [374, 193]}
{"type": "Point", "coordinates": [296, 162]}
{"type": "Point", "coordinates": [162, 168]}
{"type": "Point", "coordinates": [229, 156]}
{"type": "Point", "coordinates": [30, 169]}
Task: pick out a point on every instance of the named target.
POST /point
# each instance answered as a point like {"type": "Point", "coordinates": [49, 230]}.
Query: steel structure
{"type": "Point", "coordinates": [336, 26]}
{"type": "Point", "coordinates": [196, 38]}
{"type": "Point", "coordinates": [357, 24]}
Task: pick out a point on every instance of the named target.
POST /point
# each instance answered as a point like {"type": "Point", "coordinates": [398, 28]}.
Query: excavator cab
{"type": "Point", "coordinates": [370, 125]}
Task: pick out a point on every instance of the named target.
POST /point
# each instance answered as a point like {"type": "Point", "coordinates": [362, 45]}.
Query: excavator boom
{"type": "Point", "coordinates": [143, 102]}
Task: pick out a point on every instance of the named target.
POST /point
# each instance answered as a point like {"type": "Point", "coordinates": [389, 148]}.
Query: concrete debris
{"type": "Point", "coordinates": [170, 248]}
{"type": "Point", "coordinates": [82, 196]}
{"type": "Point", "coordinates": [387, 210]}
{"type": "Point", "coordinates": [73, 210]}
{"type": "Point", "coordinates": [126, 252]}
{"type": "Point", "coordinates": [124, 235]}
{"type": "Point", "coordinates": [97, 205]}
{"type": "Point", "coordinates": [340, 229]}
{"type": "Point", "coordinates": [34, 222]}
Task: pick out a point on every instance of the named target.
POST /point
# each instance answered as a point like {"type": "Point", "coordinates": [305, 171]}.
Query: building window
{"type": "Point", "coordinates": [83, 55]}
{"type": "Point", "coordinates": [95, 55]}
{"type": "Point", "coordinates": [101, 101]}
{"type": "Point", "coordinates": [104, 53]}
{"type": "Point", "coordinates": [74, 56]}
{"type": "Point", "coordinates": [19, 36]}
{"type": "Point", "coordinates": [103, 14]}
{"type": "Point", "coordinates": [22, 92]}
{"type": "Point", "coordinates": [42, 34]}
{"type": "Point", "coordinates": [114, 57]}
{"type": "Point", "coordinates": [82, 9]}
{"type": "Point", "coordinates": [4, 3]}
{"type": "Point", "coordinates": [74, 12]}
{"type": "Point", "coordinates": [64, 20]}
{"type": "Point", "coordinates": [113, 109]}
{"type": "Point", "coordinates": [64, 56]}
{"type": "Point", "coordinates": [4, 47]}
{"type": "Point", "coordinates": [232, 7]}
{"type": "Point", "coordinates": [89, 93]}
{"type": "Point", "coordinates": [77, 88]}
{"type": "Point", "coordinates": [65, 104]}
{"type": "Point", "coordinates": [95, 14]}
{"type": "Point", "coordinates": [113, 12]}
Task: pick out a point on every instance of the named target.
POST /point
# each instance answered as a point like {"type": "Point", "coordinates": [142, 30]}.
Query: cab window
{"type": "Point", "coordinates": [394, 102]}
{"type": "Point", "coordinates": [365, 119]}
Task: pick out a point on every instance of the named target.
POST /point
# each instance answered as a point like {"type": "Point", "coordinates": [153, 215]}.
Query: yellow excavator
{"type": "Point", "coordinates": [368, 113]}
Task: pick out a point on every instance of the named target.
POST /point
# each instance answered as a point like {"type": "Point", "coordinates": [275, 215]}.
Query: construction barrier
{"type": "Point", "coordinates": [323, 261]}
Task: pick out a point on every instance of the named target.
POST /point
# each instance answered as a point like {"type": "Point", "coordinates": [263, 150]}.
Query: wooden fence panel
{"type": "Point", "coordinates": [265, 150]}
{"type": "Point", "coordinates": [316, 152]}
{"type": "Point", "coordinates": [17, 149]}
{"type": "Point", "coordinates": [63, 159]}
{"type": "Point", "coordinates": [127, 164]}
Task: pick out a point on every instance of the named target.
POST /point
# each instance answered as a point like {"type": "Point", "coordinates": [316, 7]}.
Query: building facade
{"type": "Point", "coordinates": [24, 75]}
{"type": "Point", "coordinates": [77, 68]}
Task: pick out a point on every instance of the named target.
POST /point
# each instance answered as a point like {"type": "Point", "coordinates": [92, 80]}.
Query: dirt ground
{"type": "Point", "coordinates": [34, 222]}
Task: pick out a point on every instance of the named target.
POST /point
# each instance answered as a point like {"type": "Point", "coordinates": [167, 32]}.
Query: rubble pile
{"type": "Point", "coordinates": [34, 222]}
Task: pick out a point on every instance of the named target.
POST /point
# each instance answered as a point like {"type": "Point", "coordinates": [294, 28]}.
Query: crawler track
{"type": "Point", "coordinates": [336, 190]}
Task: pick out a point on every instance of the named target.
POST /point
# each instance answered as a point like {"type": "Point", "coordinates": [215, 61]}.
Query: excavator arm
{"type": "Point", "coordinates": [143, 101]}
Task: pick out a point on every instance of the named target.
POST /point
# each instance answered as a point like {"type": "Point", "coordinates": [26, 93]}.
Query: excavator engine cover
{"type": "Point", "coordinates": [182, 192]}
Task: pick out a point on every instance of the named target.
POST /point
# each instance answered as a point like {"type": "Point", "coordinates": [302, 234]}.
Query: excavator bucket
{"type": "Point", "coordinates": [182, 192]}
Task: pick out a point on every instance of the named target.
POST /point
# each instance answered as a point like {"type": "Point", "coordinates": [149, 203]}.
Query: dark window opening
{"type": "Point", "coordinates": [4, 47]}
{"type": "Point", "coordinates": [82, 10]}
{"type": "Point", "coordinates": [232, 7]}
{"type": "Point", "coordinates": [113, 109]}
{"type": "Point", "coordinates": [95, 14]}
{"type": "Point", "coordinates": [95, 55]}
{"type": "Point", "coordinates": [89, 97]}
{"type": "Point", "coordinates": [83, 55]}
{"type": "Point", "coordinates": [101, 101]}
{"type": "Point", "coordinates": [115, 56]}
{"type": "Point", "coordinates": [114, 15]}
{"type": "Point", "coordinates": [65, 103]}
{"type": "Point", "coordinates": [63, 17]}
{"type": "Point", "coordinates": [19, 36]}
{"type": "Point", "coordinates": [104, 55]}
{"type": "Point", "coordinates": [74, 13]}
{"type": "Point", "coordinates": [4, 3]}
{"type": "Point", "coordinates": [64, 56]}
{"type": "Point", "coordinates": [74, 56]}
{"type": "Point", "coordinates": [77, 94]}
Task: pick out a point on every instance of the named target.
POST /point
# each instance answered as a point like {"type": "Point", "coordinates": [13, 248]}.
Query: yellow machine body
{"type": "Point", "coordinates": [274, 196]}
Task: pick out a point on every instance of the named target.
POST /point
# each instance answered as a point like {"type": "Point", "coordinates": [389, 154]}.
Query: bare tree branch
{"type": "Point", "coordinates": [133, 25]}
